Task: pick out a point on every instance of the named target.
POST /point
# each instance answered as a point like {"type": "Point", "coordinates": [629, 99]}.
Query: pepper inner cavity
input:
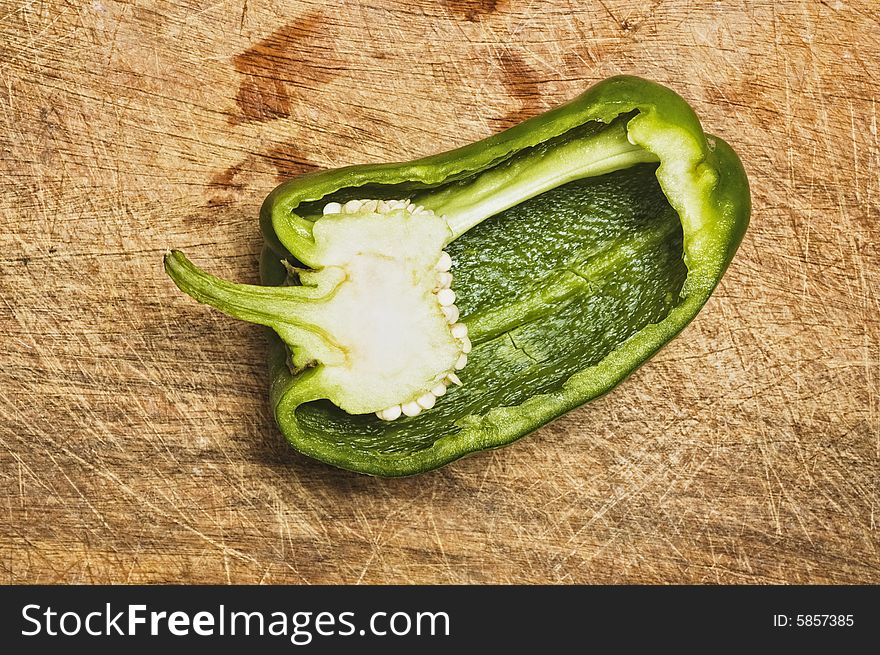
{"type": "Point", "coordinates": [500, 262]}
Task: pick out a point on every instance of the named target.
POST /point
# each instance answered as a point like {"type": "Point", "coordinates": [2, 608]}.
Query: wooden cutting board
{"type": "Point", "coordinates": [136, 441]}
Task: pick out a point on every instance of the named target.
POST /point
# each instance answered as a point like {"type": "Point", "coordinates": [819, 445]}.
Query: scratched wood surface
{"type": "Point", "coordinates": [136, 441]}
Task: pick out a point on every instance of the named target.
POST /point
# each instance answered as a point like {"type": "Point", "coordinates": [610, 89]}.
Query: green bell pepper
{"type": "Point", "coordinates": [613, 218]}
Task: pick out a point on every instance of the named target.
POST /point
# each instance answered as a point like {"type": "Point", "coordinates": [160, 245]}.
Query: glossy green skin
{"type": "Point", "coordinates": [564, 295]}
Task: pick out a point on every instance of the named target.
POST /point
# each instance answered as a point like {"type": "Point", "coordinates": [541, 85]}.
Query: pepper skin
{"type": "Point", "coordinates": [582, 241]}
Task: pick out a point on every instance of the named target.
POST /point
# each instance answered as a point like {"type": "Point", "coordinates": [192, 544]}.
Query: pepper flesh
{"type": "Point", "coordinates": [594, 257]}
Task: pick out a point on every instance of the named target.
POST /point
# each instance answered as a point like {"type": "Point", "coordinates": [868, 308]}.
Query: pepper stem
{"type": "Point", "coordinates": [539, 170]}
{"type": "Point", "coordinates": [289, 310]}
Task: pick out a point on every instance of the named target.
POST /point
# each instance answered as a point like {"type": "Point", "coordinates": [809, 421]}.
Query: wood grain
{"type": "Point", "coordinates": [136, 441]}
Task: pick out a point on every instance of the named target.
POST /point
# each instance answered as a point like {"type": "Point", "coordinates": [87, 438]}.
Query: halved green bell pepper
{"type": "Point", "coordinates": [610, 221]}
